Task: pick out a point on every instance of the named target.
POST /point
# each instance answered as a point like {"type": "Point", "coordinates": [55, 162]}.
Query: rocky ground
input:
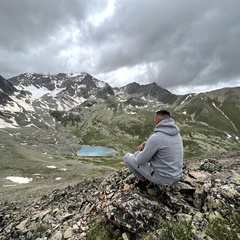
{"type": "Point", "coordinates": [111, 207]}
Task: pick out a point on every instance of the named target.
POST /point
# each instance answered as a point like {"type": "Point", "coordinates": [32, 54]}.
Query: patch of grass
{"type": "Point", "coordinates": [191, 149]}
{"type": "Point", "coordinates": [100, 230]}
{"type": "Point", "coordinates": [225, 228]}
{"type": "Point", "coordinates": [41, 227]}
{"type": "Point", "coordinates": [220, 228]}
{"type": "Point", "coordinates": [69, 165]}
{"type": "Point", "coordinates": [231, 109]}
{"type": "Point", "coordinates": [178, 230]}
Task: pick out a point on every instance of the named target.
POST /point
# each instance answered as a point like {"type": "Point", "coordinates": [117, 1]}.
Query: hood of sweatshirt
{"type": "Point", "coordinates": [167, 126]}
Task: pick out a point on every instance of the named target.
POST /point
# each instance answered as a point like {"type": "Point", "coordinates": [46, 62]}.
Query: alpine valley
{"type": "Point", "coordinates": [45, 119]}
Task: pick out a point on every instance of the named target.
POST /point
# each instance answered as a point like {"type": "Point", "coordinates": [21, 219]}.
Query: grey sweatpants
{"type": "Point", "coordinates": [145, 171]}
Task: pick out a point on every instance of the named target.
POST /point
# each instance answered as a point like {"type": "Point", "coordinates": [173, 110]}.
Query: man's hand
{"type": "Point", "coordinates": [141, 147]}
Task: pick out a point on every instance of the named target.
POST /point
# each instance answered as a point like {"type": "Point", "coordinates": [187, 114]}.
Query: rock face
{"type": "Point", "coordinates": [6, 86]}
{"type": "Point", "coordinates": [149, 90]}
{"type": "Point", "coordinates": [208, 190]}
{"type": "Point", "coordinates": [6, 89]}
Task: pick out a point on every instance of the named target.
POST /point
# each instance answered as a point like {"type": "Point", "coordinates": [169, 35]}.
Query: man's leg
{"type": "Point", "coordinates": [146, 171]}
{"type": "Point", "coordinates": [140, 171]}
{"type": "Point", "coordinates": [129, 160]}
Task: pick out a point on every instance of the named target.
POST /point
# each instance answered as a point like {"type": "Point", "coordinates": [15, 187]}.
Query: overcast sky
{"type": "Point", "coordinates": [182, 45]}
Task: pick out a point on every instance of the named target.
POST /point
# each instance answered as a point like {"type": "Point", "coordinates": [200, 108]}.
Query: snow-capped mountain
{"type": "Point", "coordinates": [92, 109]}
{"type": "Point", "coordinates": [63, 91]}
{"type": "Point", "coordinates": [29, 97]}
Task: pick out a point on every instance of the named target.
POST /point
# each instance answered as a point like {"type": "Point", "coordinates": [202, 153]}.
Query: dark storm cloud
{"type": "Point", "coordinates": [32, 21]}
{"type": "Point", "coordinates": [196, 41]}
{"type": "Point", "coordinates": [29, 29]}
{"type": "Point", "coordinates": [176, 43]}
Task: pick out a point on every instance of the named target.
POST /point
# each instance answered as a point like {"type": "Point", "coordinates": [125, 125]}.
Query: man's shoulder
{"type": "Point", "coordinates": [155, 135]}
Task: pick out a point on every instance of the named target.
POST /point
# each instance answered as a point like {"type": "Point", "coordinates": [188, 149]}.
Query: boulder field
{"type": "Point", "coordinates": [207, 196]}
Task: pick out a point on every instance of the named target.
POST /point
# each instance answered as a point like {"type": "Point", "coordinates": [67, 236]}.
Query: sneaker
{"type": "Point", "coordinates": [142, 185]}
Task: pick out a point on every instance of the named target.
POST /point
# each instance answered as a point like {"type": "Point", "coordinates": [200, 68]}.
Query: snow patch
{"type": "Point", "coordinates": [31, 125]}
{"type": "Point", "coordinates": [225, 116]}
{"type": "Point", "coordinates": [4, 124]}
{"type": "Point", "coordinates": [63, 169]}
{"type": "Point", "coordinates": [20, 180]}
{"type": "Point", "coordinates": [100, 84]}
{"type": "Point", "coordinates": [11, 107]}
{"type": "Point", "coordinates": [36, 92]}
{"type": "Point", "coordinates": [51, 166]}
{"type": "Point", "coordinates": [75, 74]}
{"type": "Point", "coordinates": [23, 104]}
{"type": "Point", "coordinates": [228, 135]}
{"type": "Point", "coordinates": [185, 99]}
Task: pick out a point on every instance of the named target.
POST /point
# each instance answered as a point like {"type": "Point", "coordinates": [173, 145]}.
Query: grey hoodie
{"type": "Point", "coordinates": [164, 151]}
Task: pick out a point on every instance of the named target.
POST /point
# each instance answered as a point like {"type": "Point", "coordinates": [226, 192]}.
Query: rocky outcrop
{"type": "Point", "coordinates": [4, 98]}
{"type": "Point", "coordinates": [6, 89]}
{"type": "Point", "coordinates": [6, 86]}
{"type": "Point", "coordinates": [105, 92]}
{"type": "Point", "coordinates": [208, 190]}
{"type": "Point", "coordinates": [134, 102]}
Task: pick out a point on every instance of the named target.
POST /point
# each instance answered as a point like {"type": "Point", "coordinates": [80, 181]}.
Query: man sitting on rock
{"type": "Point", "coordinates": [160, 159]}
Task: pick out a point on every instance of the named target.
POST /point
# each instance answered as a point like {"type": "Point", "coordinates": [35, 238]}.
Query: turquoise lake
{"type": "Point", "coordinates": [87, 150]}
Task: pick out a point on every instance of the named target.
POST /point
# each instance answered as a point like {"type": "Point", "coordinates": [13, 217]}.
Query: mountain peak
{"type": "Point", "coordinates": [151, 90]}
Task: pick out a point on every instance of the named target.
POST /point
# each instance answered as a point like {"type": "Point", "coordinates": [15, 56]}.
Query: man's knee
{"type": "Point", "coordinates": [130, 161]}
{"type": "Point", "coordinates": [128, 158]}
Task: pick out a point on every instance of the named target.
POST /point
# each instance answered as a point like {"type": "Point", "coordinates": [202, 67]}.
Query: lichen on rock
{"type": "Point", "coordinates": [192, 208]}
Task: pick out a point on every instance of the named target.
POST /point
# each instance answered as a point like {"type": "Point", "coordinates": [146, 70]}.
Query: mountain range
{"type": "Point", "coordinates": [45, 119]}
{"type": "Point", "coordinates": [95, 113]}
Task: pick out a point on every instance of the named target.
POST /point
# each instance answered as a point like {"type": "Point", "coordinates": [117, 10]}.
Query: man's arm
{"type": "Point", "coordinates": [150, 148]}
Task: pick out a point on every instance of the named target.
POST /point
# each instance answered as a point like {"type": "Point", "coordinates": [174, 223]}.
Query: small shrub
{"type": "Point", "coordinates": [41, 227]}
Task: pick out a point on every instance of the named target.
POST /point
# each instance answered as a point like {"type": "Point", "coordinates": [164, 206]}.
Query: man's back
{"type": "Point", "coordinates": [164, 150]}
{"type": "Point", "coordinates": [168, 160]}
{"type": "Point", "coordinates": [160, 159]}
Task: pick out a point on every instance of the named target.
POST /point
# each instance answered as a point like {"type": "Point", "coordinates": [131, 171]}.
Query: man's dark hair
{"type": "Point", "coordinates": [163, 113]}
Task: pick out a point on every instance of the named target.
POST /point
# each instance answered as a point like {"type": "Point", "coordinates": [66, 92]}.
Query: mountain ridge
{"type": "Point", "coordinates": [78, 101]}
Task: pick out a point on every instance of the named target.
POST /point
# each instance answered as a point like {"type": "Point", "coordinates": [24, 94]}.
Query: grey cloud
{"type": "Point", "coordinates": [187, 42]}
{"type": "Point", "coordinates": [27, 23]}
{"type": "Point", "coordinates": [197, 40]}
{"type": "Point", "coordinates": [147, 31]}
